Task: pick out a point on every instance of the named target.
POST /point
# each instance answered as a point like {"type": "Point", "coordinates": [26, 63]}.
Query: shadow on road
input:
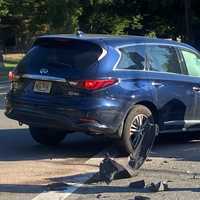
{"type": "Point", "coordinates": [13, 188]}
{"type": "Point", "coordinates": [174, 145]}
{"type": "Point", "coordinates": [17, 144]}
{"type": "Point", "coordinates": [184, 147]}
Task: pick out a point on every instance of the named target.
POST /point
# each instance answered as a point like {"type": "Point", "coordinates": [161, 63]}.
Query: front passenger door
{"type": "Point", "coordinates": [171, 87]}
{"type": "Point", "coordinates": [191, 61]}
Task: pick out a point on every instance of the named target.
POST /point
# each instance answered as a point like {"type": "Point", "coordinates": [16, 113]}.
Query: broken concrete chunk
{"type": "Point", "coordinates": [99, 196]}
{"type": "Point", "coordinates": [196, 176]}
{"type": "Point", "coordinates": [137, 184]}
{"type": "Point", "coordinates": [57, 186]}
{"type": "Point", "coordinates": [109, 170]}
{"type": "Point", "coordinates": [148, 160]}
{"type": "Point", "coordinates": [141, 198]}
{"type": "Point", "coordinates": [158, 187]}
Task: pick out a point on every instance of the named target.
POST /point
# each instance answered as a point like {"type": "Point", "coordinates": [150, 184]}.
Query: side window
{"type": "Point", "coordinates": [163, 59]}
{"type": "Point", "coordinates": [192, 62]}
{"type": "Point", "coordinates": [132, 58]}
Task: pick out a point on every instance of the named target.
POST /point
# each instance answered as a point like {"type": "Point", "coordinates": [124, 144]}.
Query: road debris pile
{"type": "Point", "coordinates": [141, 146]}
{"type": "Point", "coordinates": [110, 169]}
{"type": "Point", "coordinates": [159, 186]}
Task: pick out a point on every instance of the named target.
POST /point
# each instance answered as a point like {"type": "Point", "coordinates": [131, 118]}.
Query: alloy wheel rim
{"type": "Point", "coordinates": [137, 127]}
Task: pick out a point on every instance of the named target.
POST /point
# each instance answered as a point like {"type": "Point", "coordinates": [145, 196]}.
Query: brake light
{"type": "Point", "coordinates": [93, 84]}
{"type": "Point", "coordinates": [11, 76]}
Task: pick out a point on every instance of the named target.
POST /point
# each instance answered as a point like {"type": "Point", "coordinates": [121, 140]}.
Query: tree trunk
{"type": "Point", "coordinates": [188, 34]}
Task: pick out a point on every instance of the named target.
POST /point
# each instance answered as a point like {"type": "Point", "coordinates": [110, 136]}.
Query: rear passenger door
{"type": "Point", "coordinates": [171, 87]}
{"type": "Point", "coordinates": [191, 61]}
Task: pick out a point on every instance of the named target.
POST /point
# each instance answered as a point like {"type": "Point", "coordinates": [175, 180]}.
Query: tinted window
{"type": "Point", "coordinates": [192, 62]}
{"type": "Point", "coordinates": [66, 53]}
{"type": "Point", "coordinates": [132, 58]}
{"type": "Point", "coordinates": [163, 59]}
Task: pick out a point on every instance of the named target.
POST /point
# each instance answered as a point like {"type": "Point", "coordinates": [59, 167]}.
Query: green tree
{"type": "Point", "coordinates": [3, 8]}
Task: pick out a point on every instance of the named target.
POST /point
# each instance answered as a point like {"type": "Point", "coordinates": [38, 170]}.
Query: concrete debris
{"type": "Point", "coordinates": [57, 186]}
{"type": "Point", "coordinates": [196, 176]}
{"type": "Point", "coordinates": [141, 198]}
{"type": "Point", "coordinates": [109, 170]}
{"type": "Point", "coordinates": [148, 160]}
{"type": "Point", "coordinates": [99, 196]}
{"type": "Point", "coordinates": [137, 184]}
{"type": "Point", "coordinates": [158, 187]}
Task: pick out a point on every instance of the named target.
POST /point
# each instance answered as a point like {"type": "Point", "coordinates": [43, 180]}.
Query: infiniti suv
{"type": "Point", "coordinates": [110, 85]}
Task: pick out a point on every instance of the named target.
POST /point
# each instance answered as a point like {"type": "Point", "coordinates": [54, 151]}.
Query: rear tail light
{"type": "Point", "coordinates": [11, 76]}
{"type": "Point", "coordinates": [93, 84]}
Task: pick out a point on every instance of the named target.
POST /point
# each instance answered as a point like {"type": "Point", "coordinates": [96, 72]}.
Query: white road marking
{"type": "Point", "coordinates": [4, 87]}
{"type": "Point", "coordinates": [3, 93]}
{"type": "Point", "coordinates": [62, 195]}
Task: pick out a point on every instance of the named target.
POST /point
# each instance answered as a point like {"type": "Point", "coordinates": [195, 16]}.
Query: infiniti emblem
{"type": "Point", "coordinates": [44, 71]}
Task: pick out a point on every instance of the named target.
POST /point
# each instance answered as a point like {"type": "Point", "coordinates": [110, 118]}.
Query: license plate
{"type": "Point", "coordinates": [42, 87]}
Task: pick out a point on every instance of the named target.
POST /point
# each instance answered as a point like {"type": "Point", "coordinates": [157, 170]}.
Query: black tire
{"type": "Point", "coordinates": [138, 141]}
{"type": "Point", "coordinates": [46, 136]}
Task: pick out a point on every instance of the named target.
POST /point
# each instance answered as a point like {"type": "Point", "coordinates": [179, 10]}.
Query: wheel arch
{"type": "Point", "coordinates": [151, 106]}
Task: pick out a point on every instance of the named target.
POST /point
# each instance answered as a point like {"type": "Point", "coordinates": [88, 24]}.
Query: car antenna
{"type": "Point", "coordinates": [79, 33]}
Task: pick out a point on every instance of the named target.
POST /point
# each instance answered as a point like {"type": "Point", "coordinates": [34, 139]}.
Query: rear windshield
{"type": "Point", "coordinates": [62, 53]}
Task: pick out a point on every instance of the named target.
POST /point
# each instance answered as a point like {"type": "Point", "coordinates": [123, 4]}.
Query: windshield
{"type": "Point", "coordinates": [64, 53]}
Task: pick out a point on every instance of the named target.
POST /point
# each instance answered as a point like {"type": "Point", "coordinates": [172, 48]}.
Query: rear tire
{"type": "Point", "coordinates": [137, 113]}
{"type": "Point", "coordinates": [47, 136]}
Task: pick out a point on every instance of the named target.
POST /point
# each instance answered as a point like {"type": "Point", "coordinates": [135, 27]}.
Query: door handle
{"type": "Point", "coordinates": [157, 84]}
{"type": "Point", "coordinates": [196, 89]}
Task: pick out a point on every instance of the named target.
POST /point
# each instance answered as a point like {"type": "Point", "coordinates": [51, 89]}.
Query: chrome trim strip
{"type": "Point", "coordinates": [171, 131]}
{"type": "Point", "coordinates": [145, 44]}
{"type": "Point", "coordinates": [180, 122]}
{"type": "Point", "coordinates": [120, 55]}
{"type": "Point", "coordinates": [179, 130]}
{"type": "Point", "coordinates": [44, 78]}
{"type": "Point", "coordinates": [156, 43]}
{"type": "Point", "coordinates": [104, 52]}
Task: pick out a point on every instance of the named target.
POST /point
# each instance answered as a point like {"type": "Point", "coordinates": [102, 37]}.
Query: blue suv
{"type": "Point", "coordinates": [110, 85]}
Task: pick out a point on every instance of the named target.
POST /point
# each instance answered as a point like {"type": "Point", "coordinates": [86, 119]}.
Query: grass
{"type": "Point", "coordinates": [10, 62]}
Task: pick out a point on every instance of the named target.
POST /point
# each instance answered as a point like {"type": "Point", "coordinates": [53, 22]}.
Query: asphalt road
{"type": "Point", "coordinates": [26, 168]}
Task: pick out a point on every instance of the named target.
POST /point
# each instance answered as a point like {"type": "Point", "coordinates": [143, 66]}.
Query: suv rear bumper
{"type": "Point", "coordinates": [99, 119]}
